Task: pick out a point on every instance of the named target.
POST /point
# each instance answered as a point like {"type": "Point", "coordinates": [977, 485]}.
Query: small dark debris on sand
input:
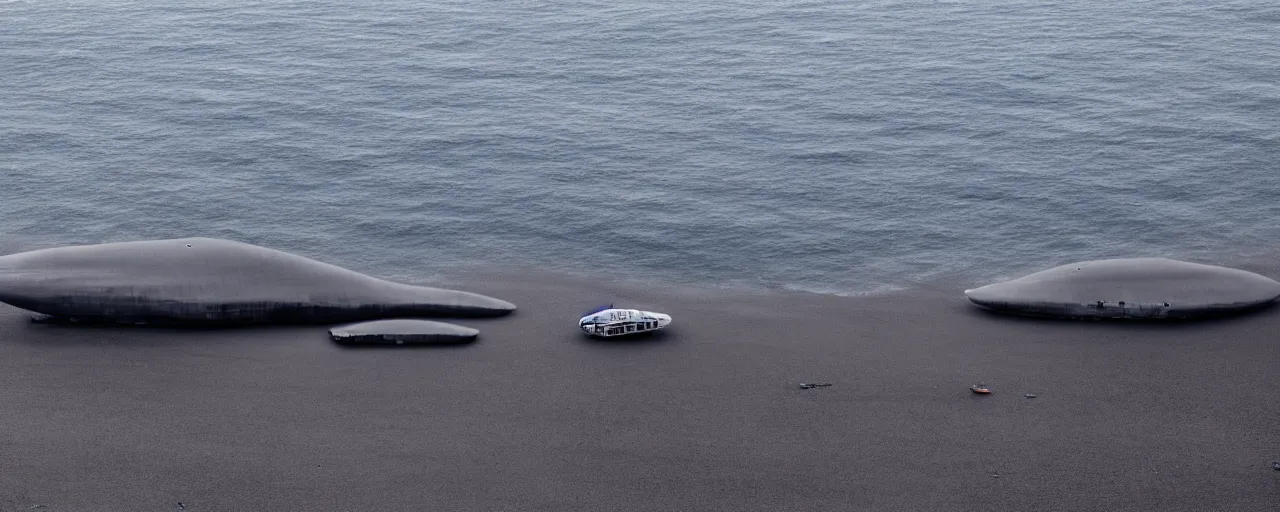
{"type": "Point", "coordinates": [806, 385]}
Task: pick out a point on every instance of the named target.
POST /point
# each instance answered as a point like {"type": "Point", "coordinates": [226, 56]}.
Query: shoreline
{"type": "Point", "coordinates": [1264, 262]}
{"type": "Point", "coordinates": [708, 415]}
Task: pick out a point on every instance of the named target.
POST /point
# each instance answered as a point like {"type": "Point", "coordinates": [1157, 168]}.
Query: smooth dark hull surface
{"type": "Point", "coordinates": [402, 332]}
{"type": "Point", "coordinates": [214, 282]}
{"type": "Point", "coordinates": [1135, 288]}
{"type": "Point", "coordinates": [1136, 312]}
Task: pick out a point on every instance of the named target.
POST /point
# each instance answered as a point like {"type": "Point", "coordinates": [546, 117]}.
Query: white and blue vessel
{"type": "Point", "coordinates": [609, 321]}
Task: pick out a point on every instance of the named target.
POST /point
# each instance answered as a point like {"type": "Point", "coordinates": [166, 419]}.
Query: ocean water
{"type": "Point", "coordinates": [831, 146]}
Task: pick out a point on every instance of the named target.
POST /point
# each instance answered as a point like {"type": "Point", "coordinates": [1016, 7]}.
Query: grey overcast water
{"type": "Point", "coordinates": [835, 147]}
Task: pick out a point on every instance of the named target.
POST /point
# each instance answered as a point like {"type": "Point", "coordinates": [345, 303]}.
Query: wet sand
{"type": "Point", "coordinates": [709, 416]}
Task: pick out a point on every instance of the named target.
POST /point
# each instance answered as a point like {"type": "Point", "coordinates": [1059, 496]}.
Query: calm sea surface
{"type": "Point", "coordinates": [831, 146]}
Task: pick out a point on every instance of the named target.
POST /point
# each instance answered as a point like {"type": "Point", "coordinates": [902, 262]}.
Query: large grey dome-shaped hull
{"type": "Point", "coordinates": [204, 280]}
{"type": "Point", "coordinates": [1130, 288]}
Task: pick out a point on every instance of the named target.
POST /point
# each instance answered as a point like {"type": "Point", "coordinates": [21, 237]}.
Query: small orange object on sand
{"type": "Point", "coordinates": [981, 389]}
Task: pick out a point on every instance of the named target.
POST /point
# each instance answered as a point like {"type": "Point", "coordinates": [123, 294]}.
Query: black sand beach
{"type": "Point", "coordinates": [709, 416]}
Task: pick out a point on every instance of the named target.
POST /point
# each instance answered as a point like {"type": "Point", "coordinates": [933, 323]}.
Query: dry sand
{"type": "Point", "coordinates": [534, 416]}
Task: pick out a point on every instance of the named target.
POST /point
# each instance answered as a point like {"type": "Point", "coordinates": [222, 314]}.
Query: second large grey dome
{"type": "Point", "coordinates": [1130, 288]}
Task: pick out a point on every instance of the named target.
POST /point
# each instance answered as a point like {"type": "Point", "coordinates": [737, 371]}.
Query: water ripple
{"type": "Point", "coordinates": [827, 146]}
